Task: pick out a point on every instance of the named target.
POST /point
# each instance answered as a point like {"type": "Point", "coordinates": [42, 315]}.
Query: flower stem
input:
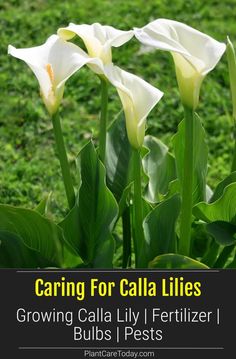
{"type": "Point", "coordinates": [126, 238]}
{"type": "Point", "coordinates": [232, 79]}
{"type": "Point", "coordinates": [65, 168]}
{"type": "Point", "coordinates": [138, 212]}
{"type": "Point", "coordinates": [187, 196]}
{"type": "Point", "coordinates": [103, 119]}
{"type": "Point", "coordinates": [233, 167]}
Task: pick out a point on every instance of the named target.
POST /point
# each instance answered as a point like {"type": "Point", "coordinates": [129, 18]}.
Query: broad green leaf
{"type": "Point", "coordinates": [223, 232]}
{"type": "Point", "coordinates": [211, 255]}
{"type": "Point", "coordinates": [15, 254]}
{"type": "Point", "coordinates": [174, 188]}
{"type": "Point", "coordinates": [221, 186]}
{"type": "Point", "coordinates": [159, 166]}
{"type": "Point", "coordinates": [71, 228]}
{"type": "Point", "coordinates": [89, 225]}
{"type": "Point", "coordinates": [71, 257]}
{"type": "Point", "coordinates": [200, 240]}
{"type": "Point", "coordinates": [159, 227]}
{"type": "Point", "coordinates": [103, 258]}
{"type": "Point", "coordinates": [176, 261]}
{"type": "Point", "coordinates": [223, 209]}
{"type": "Point", "coordinates": [118, 158]}
{"type": "Point", "coordinates": [199, 160]}
{"type": "Point", "coordinates": [37, 232]}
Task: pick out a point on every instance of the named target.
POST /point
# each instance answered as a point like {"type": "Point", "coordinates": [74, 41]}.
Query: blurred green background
{"type": "Point", "coordinates": [28, 167]}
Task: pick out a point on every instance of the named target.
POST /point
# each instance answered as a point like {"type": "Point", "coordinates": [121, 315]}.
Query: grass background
{"type": "Point", "coordinates": [28, 167]}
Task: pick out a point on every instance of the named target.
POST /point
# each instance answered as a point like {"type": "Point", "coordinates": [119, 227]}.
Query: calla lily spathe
{"type": "Point", "coordinates": [98, 39]}
{"type": "Point", "coordinates": [53, 63]}
{"type": "Point", "coordinates": [195, 53]}
{"type": "Point", "coordinates": [57, 59]}
{"type": "Point", "coordinates": [138, 98]}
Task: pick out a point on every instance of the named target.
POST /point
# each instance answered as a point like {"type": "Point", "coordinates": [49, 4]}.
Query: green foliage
{"type": "Point", "coordinates": [15, 254]}
{"type": "Point", "coordinates": [160, 227]}
{"type": "Point", "coordinates": [27, 164]}
{"type": "Point", "coordinates": [223, 232]}
{"type": "Point", "coordinates": [118, 158]}
{"type": "Point", "coordinates": [223, 209]}
{"type": "Point", "coordinates": [160, 167]}
{"type": "Point", "coordinates": [29, 170]}
{"type": "Point", "coordinates": [199, 158]}
{"type": "Point", "coordinates": [221, 186]}
{"type": "Point", "coordinates": [174, 261]}
{"type": "Point", "coordinates": [89, 225]}
{"type": "Point", "coordinates": [220, 217]}
{"type": "Point", "coordinates": [34, 231]}
{"type": "Point", "coordinates": [42, 207]}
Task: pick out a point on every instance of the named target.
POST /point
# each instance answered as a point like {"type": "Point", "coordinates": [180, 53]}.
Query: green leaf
{"type": "Point", "coordinates": [71, 228]}
{"type": "Point", "coordinates": [174, 188]}
{"type": "Point", "coordinates": [232, 263]}
{"type": "Point", "coordinates": [89, 224]}
{"type": "Point", "coordinates": [223, 232]}
{"type": "Point", "coordinates": [118, 158]}
{"type": "Point", "coordinates": [146, 207]}
{"type": "Point", "coordinates": [221, 186]}
{"type": "Point", "coordinates": [159, 166]}
{"type": "Point", "coordinates": [199, 161]}
{"type": "Point", "coordinates": [159, 227]}
{"type": "Point", "coordinates": [15, 254]}
{"type": "Point", "coordinates": [225, 257]}
{"type": "Point", "coordinates": [71, 257]}
{"type": "Point", "coordinates": [223, 209]}
{"type": "Point", "coordinates": [176, 261]}
{"type": "Point", "coordinates": [201, 240]}
{"type": "Point", "coordinates": [211, 254]}
{"type": "Point", "coordinates": [124, 201]}
{"type": "Point", "coordinates": [37, 232]}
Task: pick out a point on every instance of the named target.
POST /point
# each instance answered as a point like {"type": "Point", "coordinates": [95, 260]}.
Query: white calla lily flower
{"type": "Point", "coordinates": [98, 39]}
{"type": "Point", "coordinates": [195, 53]}
{"type": "Point", "coordinates": [53, 63]}
{"type": "Point", "coordinates": [138, 98]}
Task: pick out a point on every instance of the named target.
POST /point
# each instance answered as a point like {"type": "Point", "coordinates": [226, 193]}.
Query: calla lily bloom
{"type": "Point", "coordinates": [195, 54]}
{"type": "Point", "coordinates": [138, 98]}
{"type": "Point", "coordinates": [97, 38]}
{"type": "Point", "coordinates": [53, 63]}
